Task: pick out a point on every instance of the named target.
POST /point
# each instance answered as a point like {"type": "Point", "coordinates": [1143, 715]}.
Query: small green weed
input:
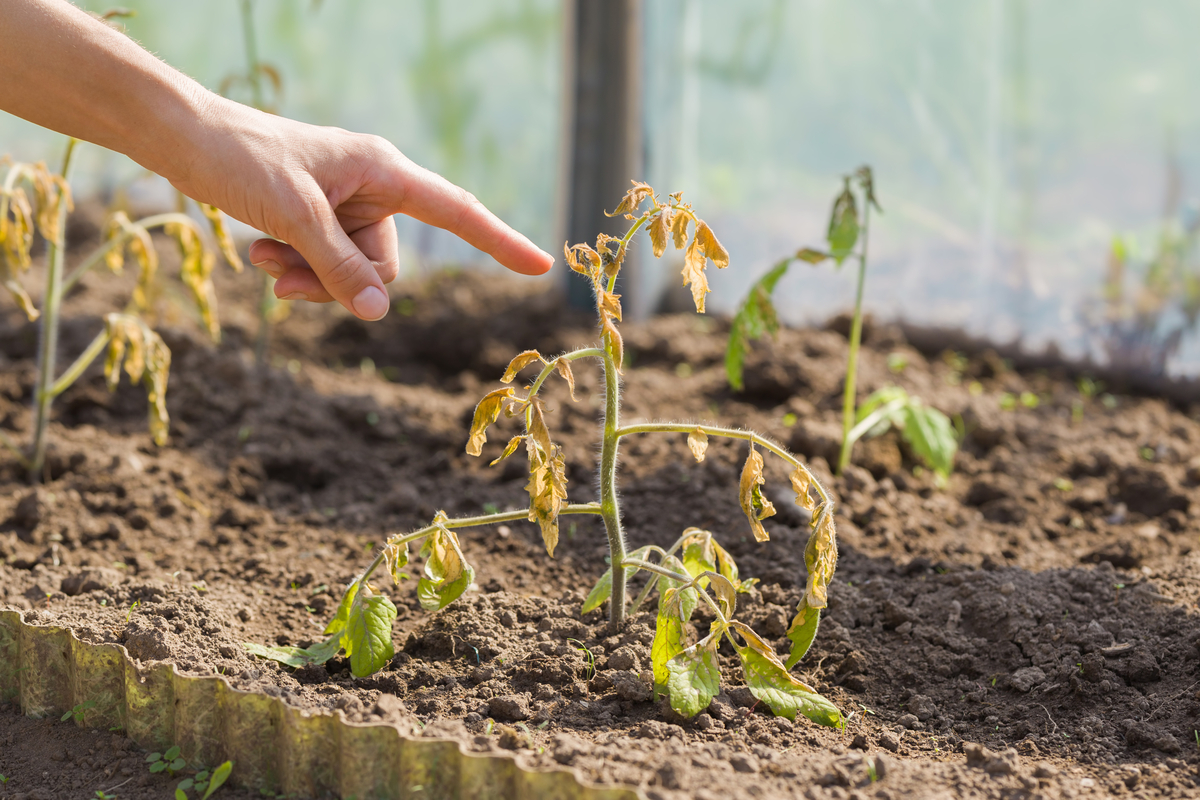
{"type": "Point", "coordinates": [79, 711]}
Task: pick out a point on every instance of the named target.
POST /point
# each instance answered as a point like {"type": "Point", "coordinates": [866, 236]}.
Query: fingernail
{"type": "Point", "coordinates": [272, 268]}
{"type": "Point", "coordinates": [371, 303]}
{"type": "Point", "coordinates": [295, 296]}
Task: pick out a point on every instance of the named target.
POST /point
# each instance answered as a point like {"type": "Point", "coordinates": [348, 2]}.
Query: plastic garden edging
{"type": "Point", "coordinates": [275, 747]}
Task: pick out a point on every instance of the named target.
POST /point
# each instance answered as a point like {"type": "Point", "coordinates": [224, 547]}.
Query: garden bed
{"type": "Point", "coordinates": [1043, 605]}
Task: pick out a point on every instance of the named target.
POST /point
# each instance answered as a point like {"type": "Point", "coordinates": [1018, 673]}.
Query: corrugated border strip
{"type": "Point", "coordinates": [276, 748]}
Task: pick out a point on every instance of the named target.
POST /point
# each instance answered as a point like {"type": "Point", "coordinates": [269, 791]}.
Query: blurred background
{"type": "Point", "coordinates": [1037, 162]}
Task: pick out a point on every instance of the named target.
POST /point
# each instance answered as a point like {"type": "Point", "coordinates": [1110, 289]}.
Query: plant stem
{"type": "Point", "coordinates": [849, 395]}
{"type": "Point", "coordinates": [80, 364]}
{"type": "Point", "coordinates": [471, 522]}
{"type": "Point", "coordinates": [48, 331]}
{"type": "Point", "coordinates": [609, 509]}
{"type": "Point", "coordinates": [96, 256]}
{"type": "Point", "coordinates": [574, 355]}
{"type": "Point", "coordinates": [731, 433]}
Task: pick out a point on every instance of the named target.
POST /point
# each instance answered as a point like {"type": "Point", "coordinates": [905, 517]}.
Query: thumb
{"type": "Point", "coordinates": [345, 272]}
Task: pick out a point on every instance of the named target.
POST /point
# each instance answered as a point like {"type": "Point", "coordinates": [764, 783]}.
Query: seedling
{"type": "Point", "coordinates": [4, 780]}
{"type": "Point", "coordinates": [169, 762]}
{"type": "Point", "coordinates": [927, 431]}
{"type": "Point", "coordinates": [103, 795]}
{"type": "Point", "coordinates": [204, 781]}
{"type": "Point", "coordinates": [694, 570]}
{"type": "Point", "coordinates": [34, 200]}
{"type": "Point", "coordinates": [79, 711]}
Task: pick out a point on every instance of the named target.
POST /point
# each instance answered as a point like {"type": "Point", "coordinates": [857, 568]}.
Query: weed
{"type": "Point", "coordinates": [79, 711]}
{"type": "Point", "coordinates": [103, 795]}
{"type": "Point", "coordinates": [129, 613]}
{"type": "Point", "coordinates": [694, 570]}
{"type": "Point", "coordinates": [170, 761]}
{"type": "Point", "coordinates": [588, 655]}
{"type": "Point", "coordinates": [204, 781]}
{"type": "Point", "coordinates": [4, 779]}
{"type": "Point", "coordinates": [926, 430]}
{"type": "Point", "coordinates": [33, 200]}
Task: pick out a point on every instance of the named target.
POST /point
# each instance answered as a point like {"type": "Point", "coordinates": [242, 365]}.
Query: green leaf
{"type": "Point", "coordinates": [693, 679]}
{"type": "Point", "coordinates": [185, 784]}
{"type": "Point", "coordinates": [699, 557]}
{"type": "Point", "coordinates": [881, 398]}
{"type": "Point", "coordinates": [675, 607]}
{"type": "Point", "coordinates": [771, 683]}
{"type": "Point", "coordinates": [177, 765]}
{"type": "Point", "coordinates": [802, 631]}
{"type": "Point", "coordinates": [447, 573]}
{"type": "Point", "coordinates": [931, 436]}
{"type": "Point", "coordinates": [811, 256]}
{"type": "Point", "coordinates": [843, 224]}
{"type": "Point", "coordinates": [603, 588]}
{"type": "Point", "coordinates": [296, 657]}
{"type": "Point", "coordinates": [171, 754]}
{"type": "Point", "coordinates": [682, 603]}
{"type": "Point", "coordinates": [154, 757]}
{"type": "Point", "coordinates": [342, 618]}
{"type": "Point", "coordinates": [219, 776]}
{"type": "Point", "coordinates": [370, 634]}
{"type": "Point", "coordinates": [158, 766]}
{"type": "Point", "coordinates": [180, 794]}
{"type": "Point", "coordinates": [753, 319]}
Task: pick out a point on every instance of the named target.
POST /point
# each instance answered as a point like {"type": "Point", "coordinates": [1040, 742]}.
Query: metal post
{"type": "Point", "coordinates": [603, 123]}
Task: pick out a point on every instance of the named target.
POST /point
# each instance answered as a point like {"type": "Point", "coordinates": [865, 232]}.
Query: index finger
{"type": "Point", "coordinates": [432, 199]}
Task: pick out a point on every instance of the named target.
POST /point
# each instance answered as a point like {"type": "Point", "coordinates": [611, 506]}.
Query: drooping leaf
{"type": "Point", "coordinates": [342, 618]}
{"type": "Point", "coordinates": [693, 679]}
{"type": "Point", "coordinates": [698, 443]}
{"type": "Point", "coordinates": [221, 232]}
{"type": "Point", "coordinates": [753, 319]}
{"type": "Point", "coordinates": [196, 266]}
{"type": "Point", "coordinates": [679, 229]}
{"type": "Point", "coordinates": [843, 224]}
{"type": "Point", "coordinates": [699, 554]}
{"type": "Point", "coordinates": [820, 558]}
{"type": "Point", "coordinates": [547, 488]}
{"type": "Point", "coordinates": [931, 436]}
{"type": "Point", "coordinates": [370, 630]}
{"type": "Point", "coordinates": [509, 449]}
{"type": "Point", "coordinates": [632, 199]}
{"type": "Point", "coordinates": [728, 567]}
{"type": "Point", "coordinates": [487, 412]}
{"type": "Point", "coordinates": [609, 304]}
{"type": "Point", "coordinates": [754, 505]}
{"type": "Point", "coordinates": [603, 588]}
{"type": "Point", "coordinates": [659, 228]}
{"type": "Point", "coordinates": [447, 573]}
{"type": "Point", "coordinates": [395, 555]}
{"type": "Point", "coordinates": [801, 484]}
{"type": "Point", "coordinates": [147, 360]}
{"type": "Point", "coordinates": [694, 262]}
{"type": "Point", "coordinates": [519, 363]}
{"type": "Point", "coordinates": [564, 369]}
{"type": "Point", "coordinates": [675, 607]}
{"type": "Point", "coordinates": [802, 631]}
{"type": "Point", "coordinates": [711, 247]}
{"type": "Point", "coordinates": [771, 683]}
{"type": "Point", "coordinates": [296, 657]}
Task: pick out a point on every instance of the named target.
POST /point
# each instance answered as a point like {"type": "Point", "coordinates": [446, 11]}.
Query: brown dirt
{"type": "Point", "coordinates": [1029, 631]}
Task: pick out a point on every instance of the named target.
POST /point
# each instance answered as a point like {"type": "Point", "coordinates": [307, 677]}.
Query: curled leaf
{"type": "Point", "coordinates": [801, 483]}
{"type": "Point", "coordinates": [547, 489]}
{"type": "Point", "coordinates": [221, 232]}
{"type": "Point", "coordinates": [520, 362]}
{"type": "Point", "coordinates": [342, 617]}
{"type": "Point", "coordinates": [754, 505]}
{"type": "Point", "coordinates": [196, 266]}
{"type": "Point", "coordinates": [820, 558]}
{"type": "Point", "coordinates": [487, 412]}
{"type": "Point", "coordinates": [509, 449]}
{"type": "Point", "coordinates": [694, 262]}
{"type": "Point", "coordinates": [447, 573]}
{"type": "Point", "coordinates": [632, 199]}
{"type": "Point", "coordinates": [698, 443]}
{"type": "Point", "coordinates": [711, 247]}
{"type": "Point", "coordinates": [147, 359]}
{"type": "Point", "coordinates": [564, 369]}
{"type": "Point", "coordinates": [812, 256]}
{"type": "Point", "coordinates": [613, 342]}
{"type": "Point", "coordinates": [142, 248]}
{"type": "Point", "coordinates": [843, 224]}
{"type": "Point", "coordinates": [659, 228]}
{"type": "Point", "coordinates": [609, 304]}
{"type": "Point", "coordinates": [590, 263]}
{"type": "Point", "coordinates": [395, 556]}
{"type": "Point", "coordinates": [679, 229]}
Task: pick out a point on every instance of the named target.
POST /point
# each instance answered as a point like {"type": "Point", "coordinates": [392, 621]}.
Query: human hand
{"type": "Point", "coordinates": [327, 196]}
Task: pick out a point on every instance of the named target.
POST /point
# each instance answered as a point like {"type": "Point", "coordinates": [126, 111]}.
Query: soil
{"type": "Point", "coordinates": [1028, 630]}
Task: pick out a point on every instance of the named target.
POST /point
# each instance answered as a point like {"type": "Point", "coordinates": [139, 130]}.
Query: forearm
{"type": "Point", "coordinates": [67, 71]}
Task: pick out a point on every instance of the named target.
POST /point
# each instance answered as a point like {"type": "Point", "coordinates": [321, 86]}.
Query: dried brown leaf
{"type": "Point", "coordinates": [820, 558]}
{"type": "Point", "coordinates": [509, 449]}
{"type": "Point", "coordinates": [564, 369]}
{"type": "Point", "coordinates": [519, 363]}
{"type": "Point", "coordinates": [632, 199]}
{"type": "Point", "coordinates": [712, 248]}
{"type": "Point", "coordinates": [547, 489]}
{"type": "Point", "coordinates": [609, 304]}
{"type": "Point", "coordinates": [535, 424]}
{"type": "Point", "coordinates": [613, 342]}
{"type": "Point", "coordinates": [659, 228]}
{"type": "Point", "coordinates": [224, 239]}
{"type": "Point", "coordinates": [694, 262]}
{"type": "Point", "coordinates": [754, 505]}
{"type": "Point", "coordinates": [679, 229]}
{"type": "Point", "coordinates": [487, 412]}
{"type": "Point", "coordinates": [801, 483]}
{"type": "Point", "coordinates": [698, 443]}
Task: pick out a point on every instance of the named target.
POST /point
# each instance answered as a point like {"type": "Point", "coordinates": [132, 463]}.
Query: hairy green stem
{"type": "Point", "coordinates": [849, 394]}
{"type": "Point", "coordinates": [609, 509]}
{"type": "Point", "coordinates": [687, 580]}
{"type": "Point", "coordinates": [81, 363]}
{"type": "Point", "coordinates": [650, 584]}
{"type": "Point", "coordinates": [586, 352]}
{"type": "Point", "coordinates": [730, 433]}
{"type": "Point", "coordinates": [48, 332]}
{"type": "Point", "coordinates": [471, 522]}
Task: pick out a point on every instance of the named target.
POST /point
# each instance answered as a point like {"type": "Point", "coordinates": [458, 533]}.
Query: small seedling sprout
{"type": "Point", "coordinates": [928, 432]}
{"type": "Point", "coordinates": [34, 200]}
{"type": "Point", "coordinates": [695, 569]}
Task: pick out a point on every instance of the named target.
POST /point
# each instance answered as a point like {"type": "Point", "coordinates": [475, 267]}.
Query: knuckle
{"type": "Point", "coordinates": [343, 275]}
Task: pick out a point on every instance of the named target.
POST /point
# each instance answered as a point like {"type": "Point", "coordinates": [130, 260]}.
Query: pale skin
{"type": "Point", "coordinates": [325, 195]}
